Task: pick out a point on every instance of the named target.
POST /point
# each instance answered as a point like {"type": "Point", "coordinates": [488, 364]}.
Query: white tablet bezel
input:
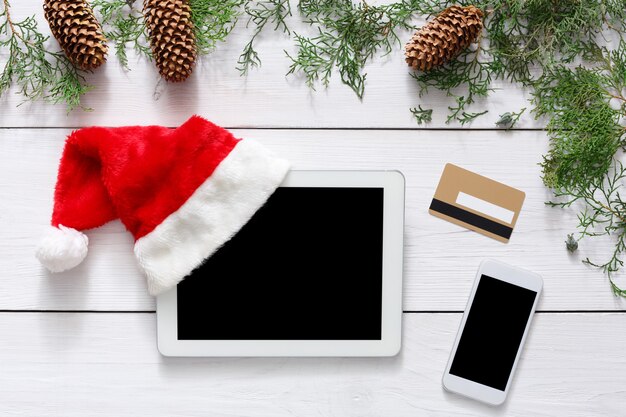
{"type": "Point", "coordinates": [506, 273]}
{"type": "Point", "coordinates": [393, 237]}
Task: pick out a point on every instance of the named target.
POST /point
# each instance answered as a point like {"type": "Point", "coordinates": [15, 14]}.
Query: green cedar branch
{"type": "Point", "coordinates": [470, 71]}
{"type": "Point", "coordinates": [508, 120]}
{"type": "Point", "coordinates": [35, 70]}
{"type": "Point", "coordinates": [422, 115]}
{"type": "Point", "coordinates": [260, 13]}
{"type": "Point", "coordinates": [348, 35]}
{"type": "Point", "coordinates": [521, 40]}
{"type": "Point", "coordinates": [213, 21]}
{"type": "Point", "coordinates": [583, 126]}
{"type": "Point", "coordinates": [124, 25]}
{"type": "Point", "coordinates": [587, 111]}
{"type": "Point", "coordinates": [604, 214]}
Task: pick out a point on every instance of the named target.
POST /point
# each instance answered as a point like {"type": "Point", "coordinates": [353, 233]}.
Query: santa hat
{"type": "Point", "coordinates": [181, 192]}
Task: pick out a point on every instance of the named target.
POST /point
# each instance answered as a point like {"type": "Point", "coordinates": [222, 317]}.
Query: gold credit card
{"type": "Point", "coordinates": [477, 203]}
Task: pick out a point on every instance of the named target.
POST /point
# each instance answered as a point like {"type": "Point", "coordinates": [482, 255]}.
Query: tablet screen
{"type": "Point", "coordinates": [307, 266]}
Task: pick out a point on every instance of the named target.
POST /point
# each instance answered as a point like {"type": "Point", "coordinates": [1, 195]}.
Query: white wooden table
{"type": "Point", "coordinates": [82, 343]}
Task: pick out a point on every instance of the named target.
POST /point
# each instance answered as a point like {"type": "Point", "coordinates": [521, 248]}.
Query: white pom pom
{"type": "Point", "coordinates": [62, 248]}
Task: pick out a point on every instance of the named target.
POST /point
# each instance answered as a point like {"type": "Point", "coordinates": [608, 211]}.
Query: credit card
{"type": "Point", "coordinates": [477, 203]}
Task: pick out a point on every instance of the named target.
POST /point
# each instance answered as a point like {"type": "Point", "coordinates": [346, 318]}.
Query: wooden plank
{"type": "Point", "coordinates": [440, 258]}
{"type": "Point", "coordinates": [107, 364]}
{"type": "Point", "coordinates": [266, 98]}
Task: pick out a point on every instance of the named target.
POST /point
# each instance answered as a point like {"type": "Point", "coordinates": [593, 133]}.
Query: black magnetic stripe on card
{"type": "Point", "coordinates": [471, 218]}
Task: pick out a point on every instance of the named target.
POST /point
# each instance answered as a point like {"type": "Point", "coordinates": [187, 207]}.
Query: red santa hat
{"type": "Point", "coordinates": [181, 192]}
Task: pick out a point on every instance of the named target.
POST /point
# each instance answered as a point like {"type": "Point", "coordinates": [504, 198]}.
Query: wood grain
{"type": "Point", "coordinates": [265, 98]}
{"type": "Point", "coordinates": [102, 364]}
{"type": "Point", "coordinates": [82, 364]}
{"type": "Point", "coordinates": [440, 258]}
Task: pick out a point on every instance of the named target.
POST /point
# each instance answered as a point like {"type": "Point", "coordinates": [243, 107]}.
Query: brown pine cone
{"type": "Point", "coordinates": [444, 37]}
{"type": "Point", "coordinates": [75, 27]}
{"type": "Point", "coordinates": [171, 37]}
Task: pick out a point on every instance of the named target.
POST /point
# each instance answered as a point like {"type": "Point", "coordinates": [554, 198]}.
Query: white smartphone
{"type": "Point", "coordinates": [492, 332]}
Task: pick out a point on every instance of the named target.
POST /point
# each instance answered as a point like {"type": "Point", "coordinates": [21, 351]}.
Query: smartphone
{"type": "Point", "coordinates": [492, 333]}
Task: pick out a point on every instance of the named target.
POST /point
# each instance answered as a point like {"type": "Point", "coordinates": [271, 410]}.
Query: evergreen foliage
{"type": "Point", "coordinates": [124, 24]}
{"type": "Point", "coordinates": [36, 71]}
{"type": "Point", "coordinates": [348, 35]}
{"type": "Point", "coordinates": [586, 108]}
{"type": "Point", "coordinates": [522, 40]}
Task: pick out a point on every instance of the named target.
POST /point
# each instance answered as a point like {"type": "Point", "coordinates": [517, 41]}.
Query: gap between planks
{"type": "Point", "coordinates": [339, 128]}
{"type": "Point", "coordinates": [404, 311]}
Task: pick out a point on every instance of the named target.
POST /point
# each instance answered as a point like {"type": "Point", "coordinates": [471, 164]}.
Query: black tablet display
{"type": "Point", "coordinates": [307, 266]}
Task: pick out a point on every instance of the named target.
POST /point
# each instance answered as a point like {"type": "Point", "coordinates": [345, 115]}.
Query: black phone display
{"type": "Point", "coordinates": [493, 332]}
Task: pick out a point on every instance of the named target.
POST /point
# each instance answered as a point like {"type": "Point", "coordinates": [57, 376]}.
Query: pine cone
{"type": "Point", "coordinates": [75, 27]}
{"type": "Point", "coordinates": [444, 37]}
{"type": "Point", "coordinates": [171, 37]}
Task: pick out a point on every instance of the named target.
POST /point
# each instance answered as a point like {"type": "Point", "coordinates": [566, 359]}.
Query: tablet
{"type": "Point", "coordinates": [317, 271]}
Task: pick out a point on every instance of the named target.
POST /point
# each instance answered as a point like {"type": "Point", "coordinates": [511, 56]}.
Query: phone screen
{"type": "Point", "coordinates": [493, 332]}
